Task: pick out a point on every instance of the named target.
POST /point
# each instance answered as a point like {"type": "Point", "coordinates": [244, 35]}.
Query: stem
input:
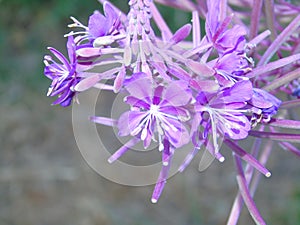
{"type": "Point", "coordinates": [276, 136]}
{"type": "Point", "coordinates": [290, 104]}
{"type": "Point", "coordinates": [261, 69]}
{"type": "Point", "coordinates": [291, 124]}
{"type": "Point", "coordinates": [270, 17]}
{"type": "Point", "coordinates": [247, 157]}
{"type": "Point", "coordinates": [243, 187]}
{"type": "Point", "coordinates": [255, 16]}
{"type": "Point", "coordinates": [238, 202]}
{"type": "Point", "coordinates": [285, 79]}
{"type": "Point", "coordinates": [276, 44]}
{"type": "Point", "coordinates": [160, 22]}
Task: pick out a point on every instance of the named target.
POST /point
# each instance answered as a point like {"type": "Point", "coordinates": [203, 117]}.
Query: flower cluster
{"type": "Point", "coordinates": [222, 85]}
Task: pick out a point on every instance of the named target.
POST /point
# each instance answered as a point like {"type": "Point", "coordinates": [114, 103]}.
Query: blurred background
{"type": "Point", "coordinates": [45, 181]}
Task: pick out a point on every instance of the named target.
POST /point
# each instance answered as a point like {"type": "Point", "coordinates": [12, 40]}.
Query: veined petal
{"type": "Point", "coordinates": [177, 134]}
{"type": "Point", "coordinates": [176, 94]}
{"type": "Point", "coordinates": [129, 121]}
{"type": "Point", "coordinates": [136, 102]}
{"type": "Point", "coordinates": [236, 126]}
{"type": "Point", "coordinates": [97, 25]}
{"type": "Point", "coordinates": [239, 92]}
{"type": "Point", "coordinates": [139, 86]}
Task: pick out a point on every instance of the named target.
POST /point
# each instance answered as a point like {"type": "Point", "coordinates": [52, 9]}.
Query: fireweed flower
{"type": "Point", "coordinates": [223, 86]}
{"type": "Point", "coordinates": [225, 112]}
{"type": "Point", "coordinates": [99, 26]}
{"type": "Point", "coordinates": [157, 114]}
{"type": "Point", "coordinates": [64, 75]}
{"type": "Point", "coordinates": [156, 110]}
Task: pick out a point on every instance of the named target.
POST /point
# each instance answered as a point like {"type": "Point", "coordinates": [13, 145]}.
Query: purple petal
{"type": "Point", "coordinates": [157, 95]}
{"type": "Point", "coordinates": [97, 25]}
{"type": "Point", "coordinates": [177, 135]}
{"type": "Point", "coordinates": [129, 121]}
{"type": "Point", "coordinates": [110, 14]}
{"type": "Point", "coordinates": [236, 126]}
{"type": "Point", "coordinates": [263, 100]}
{"type": "Point", "coordinates": [239, 92]}
{"type": "Point", "coordinates": [176, 94]}
{"type": "Point", "coordinates": [61, 57]}
{"type": "Point", "coordinates": [136, 102]}
{"type": "Point", "coordinates": [139, 85]}
{"type": "Point", "coordinates": [232, 37]}
{"type": "Point", "coordinates": [71, 49]}
{"type": "Point", "coordinates": [180, 112]}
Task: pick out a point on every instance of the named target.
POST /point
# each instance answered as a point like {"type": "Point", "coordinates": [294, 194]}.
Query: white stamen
{"type": "Point", "coordinates": [268, 174]}
{"type": "Point", "coordinates": [144, 134]}
{"type": "Point", "coordinates": [160, 147]}
{"type": "Point", "coordinates": [153, 200]}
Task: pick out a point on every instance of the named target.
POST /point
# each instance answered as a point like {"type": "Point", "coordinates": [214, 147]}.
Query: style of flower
{"type": "Point", "coordinates": [64, 75]}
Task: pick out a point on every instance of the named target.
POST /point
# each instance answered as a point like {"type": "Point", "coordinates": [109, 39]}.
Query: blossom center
{"type": "Point", "coordinates": [154, 110]}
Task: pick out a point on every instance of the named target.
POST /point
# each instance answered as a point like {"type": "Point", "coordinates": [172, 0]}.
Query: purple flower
{"type": "Point", "coordinates": [295, 86]}
{"type": "Point", "coordinates": [200, 91]}
{"type": "Point", "coordinates": [223, 113]}
{"type": "Point", "coordinates": [64, 75]}
{"type": "Point", "coordinates": [98, 25]}
{"type": "Point", "coordinates": [265, 103]}
{"type": "Point", "coordinates": [296, 92]}
{"type": "Point", "coordinates": [223, 39]}
{"type": "Point", "coordinates": [156, 109]}
{"type": "Point", "coordinates": [230, 68]}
